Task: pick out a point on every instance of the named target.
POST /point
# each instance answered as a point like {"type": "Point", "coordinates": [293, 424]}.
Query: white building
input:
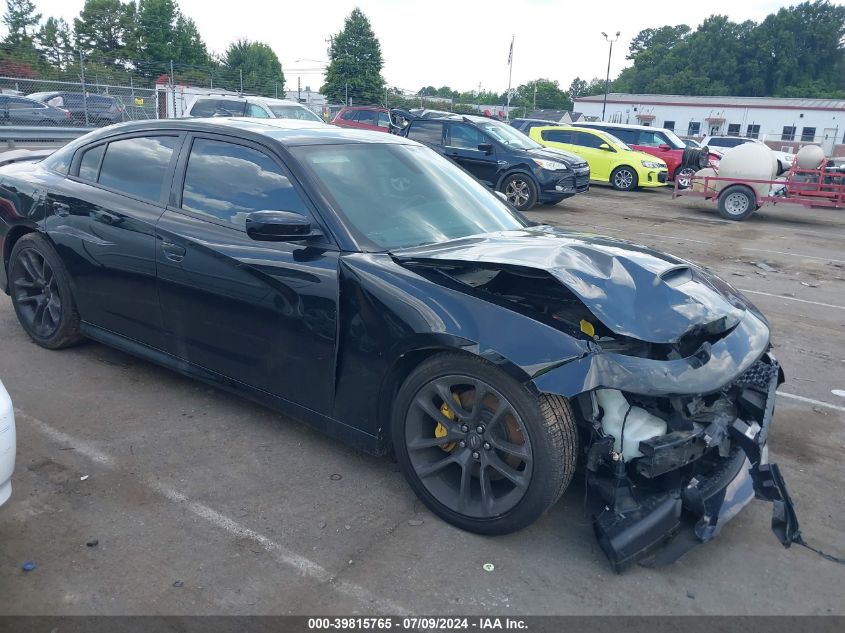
{"type": "Point", "coordinates": [308, 97]}
{"type": "Point", "coordinates": [785, 124]}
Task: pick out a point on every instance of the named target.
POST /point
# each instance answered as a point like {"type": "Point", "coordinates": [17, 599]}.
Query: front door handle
{"type": "Point", "coordinates": [173, 252]}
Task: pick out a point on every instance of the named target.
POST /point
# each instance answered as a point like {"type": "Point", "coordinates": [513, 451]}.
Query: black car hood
{"type": "Point", "coordinates": [631, 289]}
{"type": "Point", "coordinates": [556, 154]}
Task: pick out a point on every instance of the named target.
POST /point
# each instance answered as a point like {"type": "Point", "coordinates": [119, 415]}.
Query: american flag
{"type": "Point", "coordinates": [510, 53]}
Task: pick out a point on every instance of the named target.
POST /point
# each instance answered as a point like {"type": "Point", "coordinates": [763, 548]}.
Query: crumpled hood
{"type": "Point", "coordinates": [635, 291]}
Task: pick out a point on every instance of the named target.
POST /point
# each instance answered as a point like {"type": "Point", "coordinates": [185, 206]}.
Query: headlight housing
{"type": "Point", "coordinates": [551, 165]}
{"type": "Point", "coordinates": [650, 164]}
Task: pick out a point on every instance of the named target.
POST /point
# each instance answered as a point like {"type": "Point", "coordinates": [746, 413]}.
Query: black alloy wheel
{"type": "Point", "coordinates": [41, 293]}
{"type": "Point", "coordinates": [481, 450]}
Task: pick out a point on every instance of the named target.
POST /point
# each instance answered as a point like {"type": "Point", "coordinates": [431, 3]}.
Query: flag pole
{"type": "Point", "coordinates": [510, 77]}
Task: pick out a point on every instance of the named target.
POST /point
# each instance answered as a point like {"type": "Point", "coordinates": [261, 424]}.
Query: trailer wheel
{"type": "Point", "coordinates": [737, 202]}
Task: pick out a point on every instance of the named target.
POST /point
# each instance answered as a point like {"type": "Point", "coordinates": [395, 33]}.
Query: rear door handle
{"type": "Point", "coordinates": [173, 252]}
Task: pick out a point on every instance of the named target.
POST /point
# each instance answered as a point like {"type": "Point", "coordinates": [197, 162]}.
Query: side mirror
{"type": "Point", "coordinates": [487, 148]}
{"type": "Point", "coordinates": [279, 226]}
{"type": "Point", "coordinates": [605, 147]}
{"type": "Point", "coordinates": [664, 146]}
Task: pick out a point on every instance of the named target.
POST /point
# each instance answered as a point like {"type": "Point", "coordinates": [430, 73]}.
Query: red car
{"type": "Point", "coordinates": [657, 141]}
{"type": "Point", "coordinates": [363, 118]}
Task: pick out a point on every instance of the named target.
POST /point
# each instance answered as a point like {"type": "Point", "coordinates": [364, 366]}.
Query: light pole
{"type": "Point", "coordinates": [607, 79]}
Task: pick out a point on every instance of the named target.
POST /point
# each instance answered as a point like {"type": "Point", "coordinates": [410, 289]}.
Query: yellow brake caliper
{"type": "Point", "coordinates": [442, 431]}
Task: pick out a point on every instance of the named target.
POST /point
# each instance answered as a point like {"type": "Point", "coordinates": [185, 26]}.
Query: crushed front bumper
{"type": "Point", "coordinates": [637, 524]}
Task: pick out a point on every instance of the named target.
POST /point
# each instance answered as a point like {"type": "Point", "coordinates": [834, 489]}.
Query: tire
{"type": "Point", "coordinates": [683, 176]}
{"type": "Point", "coordinates": [520, 190]}
{"type": "Point", "coordinates": [624, 178]}
{"type": "Point", "coordinates": [41, 293]}
{"type": "Point", "coordinates": [737, 202]}
{"type": "Point", "coordinates": [467, 463]}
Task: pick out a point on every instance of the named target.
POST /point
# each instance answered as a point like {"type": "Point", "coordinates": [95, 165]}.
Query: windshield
{"type": "Point", "coordinates": [394, 196]}
{"type": "Point", "coordinates": [507, 135]}
{"type": "Point", "coordinates": [293, 112]}
{"type": "Point", "coordinates": [674, 139]}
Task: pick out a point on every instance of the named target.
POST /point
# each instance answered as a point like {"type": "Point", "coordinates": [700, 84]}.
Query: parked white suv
{"type": "Point", "coordinates": [258, 107]}
{"type": "Point", "coordinates": [7, 444]}
{"type": "Point", "coordinates": [724, 143]}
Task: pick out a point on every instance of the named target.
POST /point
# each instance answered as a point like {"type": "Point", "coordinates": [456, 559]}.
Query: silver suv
{"type": "Point", "coordinates": [258, 107]}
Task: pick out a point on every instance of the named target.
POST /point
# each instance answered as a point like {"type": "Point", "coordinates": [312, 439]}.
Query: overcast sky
{"type": "Point", "coordinates": [457, 43]}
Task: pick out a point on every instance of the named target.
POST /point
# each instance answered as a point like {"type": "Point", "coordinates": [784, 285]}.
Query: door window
{"type": "Point", "coordinates": [427, 132]}
{"type": "Point", "coordinates": [630, 137]}
{"type": "Point", "coordinates": [137, 166]}
{"type": "Point", "coordinates": [367, 117]}
{"type": "Point", "coordinates": [89, 167]}
{"type": "Point", "coordinates": [383, 120]}
{"type": "Point", "coordinates": [24, 104]}
{"type": "Point", "coordinates": [585, 139]}
{"type": "Point", "coordinates": [464, 136]}
{"type": "Point", "coordinates": [557, 136]}
{"type": "Point", "coordinates": [261, 184]}
{"type": "Point", "coordinates": [256, 111]}
{"type": "Point", "coordinates": [648, 138]}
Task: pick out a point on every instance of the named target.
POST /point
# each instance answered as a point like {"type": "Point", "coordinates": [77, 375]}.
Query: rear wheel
{"type": "Point", "coordinates": [737, 202]}
{"type": "Point", "coordinates": [479, 449]}
{"type": "Point", "coordinates": [624, 179]}
{"type": "Point", "coordinates": [41, 293]}
{"type": "Point", "coordinates": [520, 191]}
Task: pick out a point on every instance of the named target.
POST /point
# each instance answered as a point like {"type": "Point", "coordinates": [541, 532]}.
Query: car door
{"type": "Point", "coordinates": [461, 144]}
{"type": "Point", "coordinates": [655, 143]}
{"type": "Point", "coordinates": [27, 112]}
{"type": "Point", "coordinates": [102, 220]}
{"type": "Point", "coordinates": [263, 314]}
{"type": "Point", "coordinates": [602, 161]}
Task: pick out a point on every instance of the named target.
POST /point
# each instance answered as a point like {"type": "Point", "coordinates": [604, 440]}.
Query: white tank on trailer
{"type": "Point", "coordinates": [809, 157]}
{"type": "Point", "coordinates": [753, 161]}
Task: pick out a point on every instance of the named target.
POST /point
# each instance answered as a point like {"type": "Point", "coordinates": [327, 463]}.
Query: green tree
{"type": "Point", "coordinates": [105, 31]}
{"type": "Point", "coordinates": [355, 63]}
{"type": "Point", "coordinates": [544, 93]}
{"type": "Point", "coordinates": [262, 70]}
{"type": "Point", "coordinates": [55, 42]}
{"type": "Point", "coordinates": [163, 34]}
{"type": "Point", "coordinates": [21, 20]}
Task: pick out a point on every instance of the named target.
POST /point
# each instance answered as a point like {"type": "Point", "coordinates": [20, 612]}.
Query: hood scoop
{"type": "Point", "coordinates": [633, 290]}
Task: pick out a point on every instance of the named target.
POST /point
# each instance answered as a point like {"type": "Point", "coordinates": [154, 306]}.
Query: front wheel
{"type": "Point", "coordinates": [737, 202]}
{"type": "Point", "coordinates": [624, 179]}
{"type": "Point", "coordinates": [41, 293]}
{"type": "Point", "coordinates": [520, 191]}
{"type": "Point", "coordinates": [479, 449]}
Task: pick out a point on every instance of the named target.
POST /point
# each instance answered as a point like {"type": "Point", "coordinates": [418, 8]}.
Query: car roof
{"type": "Point", "coordinates": [288, 132]}
{"type": "Point", "coordinates": [365, 108]}
{"type": "Point", "coordinates": [627, 126]}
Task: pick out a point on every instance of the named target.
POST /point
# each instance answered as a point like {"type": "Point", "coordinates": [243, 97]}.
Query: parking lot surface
{"type": "Point", "coordinates": [138, 491]}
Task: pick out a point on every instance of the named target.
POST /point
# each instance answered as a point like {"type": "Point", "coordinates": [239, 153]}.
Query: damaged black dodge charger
{"type": "Point", "coordinates": [369, 287]}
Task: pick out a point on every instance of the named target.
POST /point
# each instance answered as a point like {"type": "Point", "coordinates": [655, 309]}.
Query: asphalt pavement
{"type": "Point", "coordinates": [138, 491]}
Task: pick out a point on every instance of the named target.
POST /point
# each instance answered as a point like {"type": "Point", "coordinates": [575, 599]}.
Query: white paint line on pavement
{"type": "Point", "coordinates": [798, 255]}
{"type": "Point", "coordinates": [304, 565]}
{"type": "Point", "coordinates": [819, 403]}
{"type": "Point", "coordinates": [83, 448]}
{"type": "Point", "coordinates": [770, 294]}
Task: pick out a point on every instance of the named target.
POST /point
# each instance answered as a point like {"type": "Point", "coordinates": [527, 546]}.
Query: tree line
{"type": "Point", "coordinates": [112, 38]}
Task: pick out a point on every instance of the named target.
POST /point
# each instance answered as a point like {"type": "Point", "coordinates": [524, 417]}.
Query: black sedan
{"type": "Point", "coordinates": [362, 283]}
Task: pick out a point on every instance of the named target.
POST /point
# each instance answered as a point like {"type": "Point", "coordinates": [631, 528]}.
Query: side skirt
{"type": "Point", "coordinates": [347, 434]}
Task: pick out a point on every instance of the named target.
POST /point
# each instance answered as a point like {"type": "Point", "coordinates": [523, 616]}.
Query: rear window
{"type": "Point", "coordinates": [631, 137]}
{"type": "Point", "coordinates": [294, 112]}
{"type": "Point", "coordinates": [137, 166]}
{"type": "Point", "coordinates": [218, 107]}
